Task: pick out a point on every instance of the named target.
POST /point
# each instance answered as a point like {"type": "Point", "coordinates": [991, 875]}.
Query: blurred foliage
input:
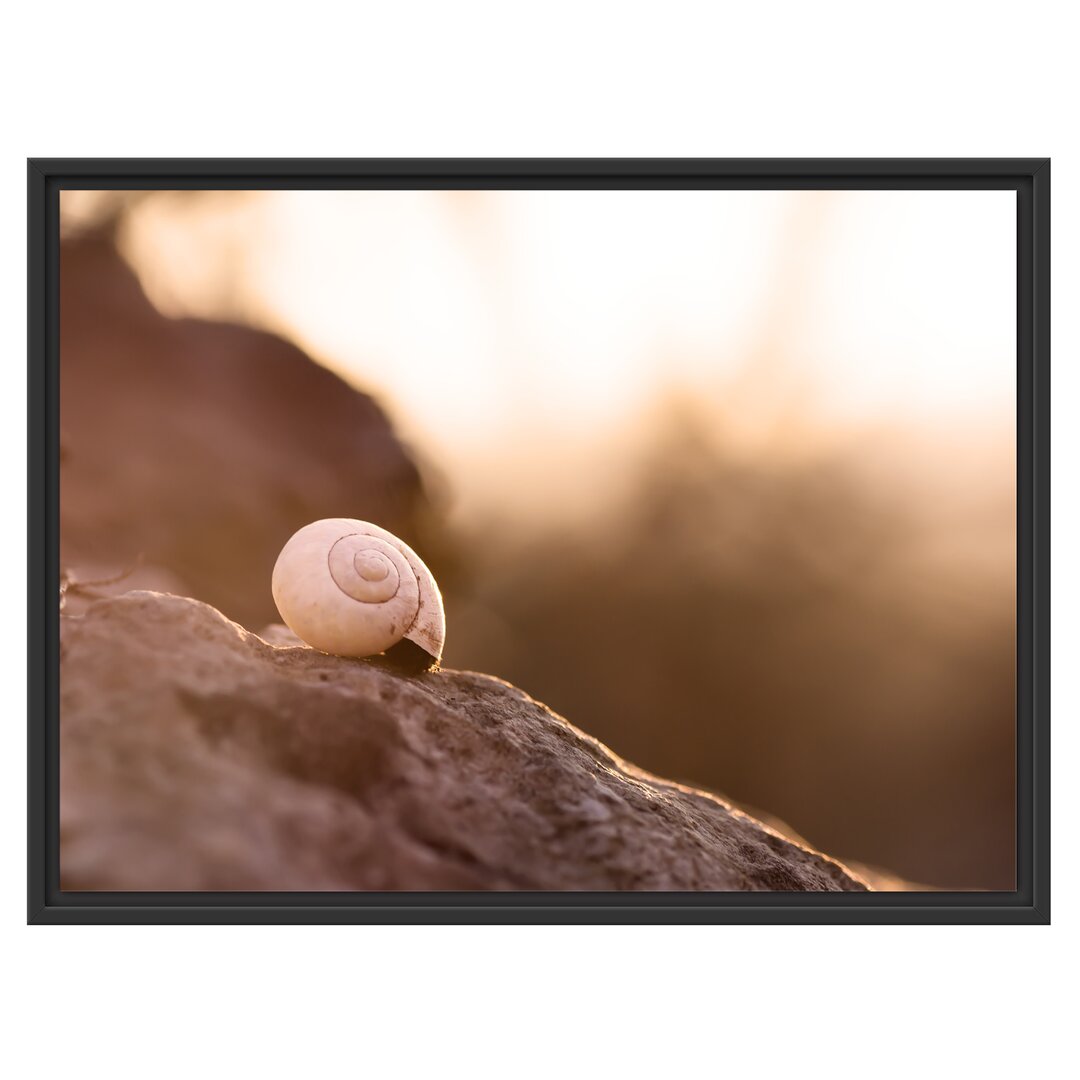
{"type": "Point", "coordinates": [772, 632]}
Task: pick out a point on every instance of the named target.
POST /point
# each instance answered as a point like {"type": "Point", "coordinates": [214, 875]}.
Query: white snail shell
{"type": "Point", "coordinates": [350, 588]}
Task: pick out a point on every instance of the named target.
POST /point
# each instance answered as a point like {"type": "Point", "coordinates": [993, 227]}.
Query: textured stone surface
{"type": "Point", "coordinates": [198, 448]}
{"type": "Point", "coordinates": [197, 756]}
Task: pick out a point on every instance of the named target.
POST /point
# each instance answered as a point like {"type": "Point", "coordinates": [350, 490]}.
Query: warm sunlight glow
{"type": "Point", "coordinates": [509, 332]}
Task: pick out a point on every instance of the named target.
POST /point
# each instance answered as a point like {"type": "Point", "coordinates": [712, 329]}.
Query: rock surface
{"type": "Point", "coordinates": [197, 448]}
{"type": "Point", "coordinates": [197, 756]}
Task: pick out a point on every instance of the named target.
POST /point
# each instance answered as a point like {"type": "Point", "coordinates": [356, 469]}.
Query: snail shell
{"type": "Point", "coordinates": [350, 588]}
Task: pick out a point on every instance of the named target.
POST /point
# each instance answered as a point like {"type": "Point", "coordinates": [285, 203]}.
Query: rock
{"type": "Point", "coordinates": [198, 448]}
{"type": "Point", "coordinates": [198, 756]}
{"type": "Point", "coordinates": [81, 587]}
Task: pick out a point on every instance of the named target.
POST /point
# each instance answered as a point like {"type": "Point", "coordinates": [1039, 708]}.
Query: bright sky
{"type": "Point", "coordinates": [491, 322]}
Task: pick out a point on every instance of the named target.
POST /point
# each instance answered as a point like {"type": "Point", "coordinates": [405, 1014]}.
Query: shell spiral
{"type": "Point", "coordinates": [353, 589]}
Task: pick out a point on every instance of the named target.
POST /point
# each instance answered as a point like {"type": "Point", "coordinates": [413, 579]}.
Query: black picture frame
{"type": "Point", "coordinates": [1029, 903]}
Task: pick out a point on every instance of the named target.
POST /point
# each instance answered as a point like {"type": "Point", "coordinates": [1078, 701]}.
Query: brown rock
{"type": "Point", "coordinates": [198, 448]}
{"type": "Point", "coordinates": [196, 756]}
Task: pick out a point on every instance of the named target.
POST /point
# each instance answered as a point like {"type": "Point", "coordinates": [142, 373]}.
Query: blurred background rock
{"type": "Point", "coordinates": [195, 446]}
{"type": "Point", "coordinates": [726, 478]}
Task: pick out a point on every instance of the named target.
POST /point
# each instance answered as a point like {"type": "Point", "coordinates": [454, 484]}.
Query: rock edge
{"type": "Point", "coordinates": [196, 756]}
